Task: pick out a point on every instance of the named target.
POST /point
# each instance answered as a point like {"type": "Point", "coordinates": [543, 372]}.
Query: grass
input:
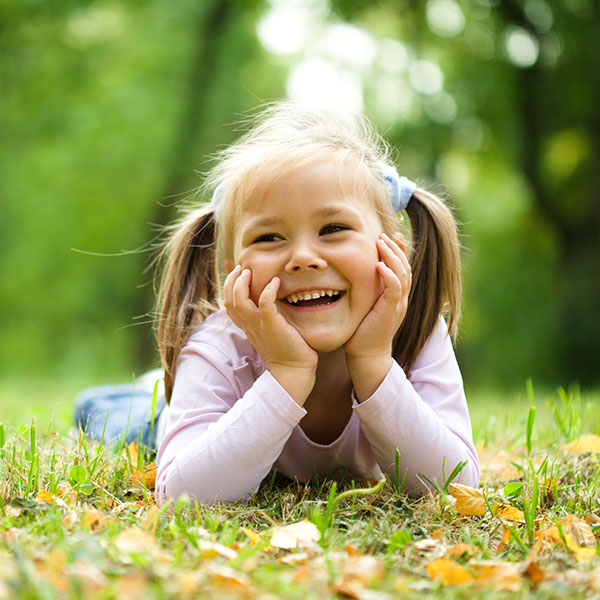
{"type": "Point", "coordinates": [78, 520]}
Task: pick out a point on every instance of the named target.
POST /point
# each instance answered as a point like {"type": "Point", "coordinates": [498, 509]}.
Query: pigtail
{"type": "Point", "coordinates": [189, 287]}
{"type": "Point", "coordinates": [436, 276]}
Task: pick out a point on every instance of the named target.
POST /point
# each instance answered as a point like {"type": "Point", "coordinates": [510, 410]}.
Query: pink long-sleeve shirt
{"type": "Point", "coordinates": [230, 422]}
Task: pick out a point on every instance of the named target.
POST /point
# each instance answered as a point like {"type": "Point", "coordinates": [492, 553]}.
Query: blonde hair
{"type": "Point", "coordinates": [284, 136]}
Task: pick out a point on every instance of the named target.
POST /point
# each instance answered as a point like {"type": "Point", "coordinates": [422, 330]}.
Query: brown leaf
{"type": "Point", "coordinates": [210, 550]}
{"type": "Point", "coordinates": [448, 572]}
{"type": "Point", "coordinates": [535, 573]}
{"type": "Point", "coordinates": [584, 444]}
{"type": "Point", "coordinates": [469, 501]}
{"type": "Point", "coordinates": [302, 534]}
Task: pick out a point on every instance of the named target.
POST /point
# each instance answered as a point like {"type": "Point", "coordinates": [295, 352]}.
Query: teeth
{"type": "Point", "coordinates": [312, 295]}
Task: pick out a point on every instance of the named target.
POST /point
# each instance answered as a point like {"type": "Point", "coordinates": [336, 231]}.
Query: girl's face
{"type": "Point", "coordinates": [314, 230]}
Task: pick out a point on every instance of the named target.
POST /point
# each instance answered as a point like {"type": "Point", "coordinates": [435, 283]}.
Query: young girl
{"type": "Point", "coordinates": [330, 353]}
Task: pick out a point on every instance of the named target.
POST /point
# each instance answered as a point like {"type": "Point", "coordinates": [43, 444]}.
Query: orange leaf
{"type": "Point", "coordinates": [508, 512]}
{"type": "Point", "coordinates": [505, 539]}
{"type": "Point", "coordinates": [469, 501]}
{"type": "Point", "coordinates": [448, 572]}
{"type": "Point", "coordinates": [94, 520]}
{"type": "Point", "coordinates": [583, 444]}
{"type": "Point", "coordinates": [500, 575]}
{"type": "Point", "coordinates": [145, 476]}
{"type": "Point", "coordinates": [535, 573]}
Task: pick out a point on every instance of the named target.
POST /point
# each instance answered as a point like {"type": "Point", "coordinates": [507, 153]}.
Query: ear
{"type": "Point", "coordinates": [228, 264]}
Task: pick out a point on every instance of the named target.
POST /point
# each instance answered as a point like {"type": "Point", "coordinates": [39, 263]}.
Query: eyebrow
{"type": "Point", "coordinates": [325, 212]}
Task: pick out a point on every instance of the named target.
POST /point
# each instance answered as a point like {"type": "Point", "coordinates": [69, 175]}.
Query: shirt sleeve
{"type": "Point", "coordinates": [221, 441]}
{"type": "Point", "coordinates": [426, 418]}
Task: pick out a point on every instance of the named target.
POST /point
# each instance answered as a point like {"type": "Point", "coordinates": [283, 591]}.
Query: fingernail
{"type": "Point", "coordinates": [237, 268]}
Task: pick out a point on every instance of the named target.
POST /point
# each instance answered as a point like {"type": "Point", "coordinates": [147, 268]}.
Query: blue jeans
{"type": "Point", "coordinates": [113, 412]}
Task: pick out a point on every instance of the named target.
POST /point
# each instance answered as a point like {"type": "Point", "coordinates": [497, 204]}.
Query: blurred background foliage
{"type": "Point", "coordinates": [108, 110]}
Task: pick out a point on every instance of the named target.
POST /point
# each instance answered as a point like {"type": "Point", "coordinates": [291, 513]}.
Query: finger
{"type": "Point", "coordinates": [268, 297]}
{"type": "Point", "coordinates": [241, 293]}
{"type": "Point", "coordinates": [397, 245]}
{"type": "Point", "coordinates": [229, 283]}
{"type": "Point", "coordinates": [393, 255]}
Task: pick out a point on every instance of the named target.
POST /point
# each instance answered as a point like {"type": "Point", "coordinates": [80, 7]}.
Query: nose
{"type": "Point", "coordinates": [304, 257]}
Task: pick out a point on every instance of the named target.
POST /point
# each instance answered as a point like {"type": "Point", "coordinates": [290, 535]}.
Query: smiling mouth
{"type": "Point", "coordinates": [314, 298]}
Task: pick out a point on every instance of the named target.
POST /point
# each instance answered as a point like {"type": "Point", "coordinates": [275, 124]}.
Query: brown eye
{"type": "Point", "coordinates": [267, 237]}
{"type": "Point", "coordinates": [332, 228]}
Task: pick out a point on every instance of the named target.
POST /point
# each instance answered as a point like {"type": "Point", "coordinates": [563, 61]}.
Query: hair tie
{"type": "Point", "coordinates": [401, 189]}
{"type": "Point", "coordinates": [218, 201]}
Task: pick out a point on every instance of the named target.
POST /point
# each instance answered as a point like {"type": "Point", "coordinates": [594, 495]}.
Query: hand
{"type": "Point", "coordinates": [369, 350]}
{"type": "Point", "coordinates": [287, 356]}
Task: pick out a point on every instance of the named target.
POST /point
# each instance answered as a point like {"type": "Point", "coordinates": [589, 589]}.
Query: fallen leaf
{"type": "Point", "coordinates": [469, 501]}
{"type": "Point", "coordinates": [229, 581]}
{"type": "Point", "coordinates": [508, 512]}
{"type": "Point", "coordinates": [145, 476]}
{"type": "Point", "coordinates": [448, 572]}
{"type": "Point", "coordinates": [459, 550]}
{"type": "Point", "coordinates": [132, 586]}
{"type": "Point", "coordinates": [534, 572]}
{"type": "Point", "coordinates": [579, 530]}
{"type": "Point", "coordinates": [302, 534]}
{"type": "Point", "coordinates": [45, 497]}
{"type": "Point", "coordinates": [505, 539]}
{"type": "Point", "coordinates": [94, 519]}
{"type": "Point", "coordinates": [431, 548]}
{"type": "Point", "coordinates": [135, 541]}
{"type": "Point", "coordinates": [210, 550]}
{"type": "Point", "coordinates": [583, 444]}
{"type": "Point", "coordinates": [500, 575]}
{"type": "Point", "coordinates": [151, 520]}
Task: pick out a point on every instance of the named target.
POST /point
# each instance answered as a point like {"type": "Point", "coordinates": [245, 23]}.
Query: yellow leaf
{"type": "Point", "coordinates": [151, 520]}
{"type": "Point", "coordinates": [94, 519]}
{"type": "Point", "coordinates": [583, 444]}
{"type": "Point", "coordinates": [448, 572]}
{"type": "Point", "coordinates": [508, 512]}
{"type": "Point", "coordinates": [459, 550]}
{"type": "Point", "coordinates": [45, 497]}
{"type": "Point", "coordinates": [252, 535]}
{"type": "Point", "coordinates": [302, 534]}
{"type": "Point", "coordinates": [579, 530]}
{"type": "Point", "coordinates": [210, 550]}
{"type": "Point", "coordinates": [469, 501]}
{"type": "Point", "coordinates": [229, 581]}
{"type": "Point", "coordinates": [500, 575]}
{"type": "Point", "coordinates": [135, 541]}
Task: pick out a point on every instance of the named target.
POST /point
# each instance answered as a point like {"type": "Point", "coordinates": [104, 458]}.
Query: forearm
{"type": "Point", "coordinates": [430, 442]}
{"type": "Point", "coordinates": [227, 459]}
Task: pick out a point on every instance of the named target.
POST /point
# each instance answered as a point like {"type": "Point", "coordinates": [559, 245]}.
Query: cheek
{"type": "Point", "coordinates": [262, 273]}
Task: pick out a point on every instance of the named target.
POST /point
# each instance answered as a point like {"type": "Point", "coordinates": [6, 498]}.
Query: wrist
{"type": "Point", "coordinates": [297, 381]}
{"type": "Point", "coordinates": [367, 373]}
